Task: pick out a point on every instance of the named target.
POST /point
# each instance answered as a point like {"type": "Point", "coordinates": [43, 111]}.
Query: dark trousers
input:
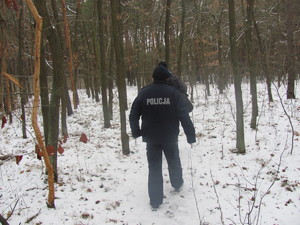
{"type": "Point", "coordinates": [155, 179]}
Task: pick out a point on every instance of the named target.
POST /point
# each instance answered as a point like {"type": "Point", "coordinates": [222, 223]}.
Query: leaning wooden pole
{"type": "Point", "coordinates": [36, 87]}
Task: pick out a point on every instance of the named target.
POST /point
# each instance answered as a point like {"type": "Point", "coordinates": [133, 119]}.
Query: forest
{"type": "Point", "coordinates": [50, 50]}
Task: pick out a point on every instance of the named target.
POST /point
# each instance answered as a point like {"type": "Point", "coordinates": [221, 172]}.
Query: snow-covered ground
{"type": "Point", "coordinates": [99, 185]}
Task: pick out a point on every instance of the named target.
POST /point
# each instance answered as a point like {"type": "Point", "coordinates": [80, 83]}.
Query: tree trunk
{"type": "Point", "coordinates": [3, 221]}
{"type": "Point", "coordinates": [66, 107]}
{"type": "Point", "coordinates": [70, 54]}
{"type": "Point", "coordinates": [88, 76]}
{"type": "Point", "coordinates": [102, 65]}
{"type": "Point", "coordinates": [265, 62]}
{"type": "Point", "coordinates": [2, 50]}
{"type": "Point", "coordinates": [167, 31]}
{"type": "Point", "coordinates": [201, 67]}
{"type": "Point", "coordinates": [52, 35]}
{"type": "Point", "coordinates": [3, 68]}
{"type": "Point", "coordinates": [23, 91]}
{"type": "Point", "coordinates": [76, 44]}
{"type": "Point", "coordinates": [119, 56]}
{"type": "Point", "coordinates": [240, 140]}
{"type": "Point", "coordinates": [44, 94]}
{"type": "Point", "coordinates": [2, 27]}
{"type": "Point", "coordinates": [181, 40]}
{"type": "Point", "coordinates": [110, 81]}
{"type": "Point", "coordinates": [251, 63]}
{"type": "Point", "coordinates": [64, 128]}
{"type": "Point", "coordinates": [96, 67]}
{"type": "Point", "coordinates": [291, 4]}
{"type": "Point", "coordinates": [221, 78]}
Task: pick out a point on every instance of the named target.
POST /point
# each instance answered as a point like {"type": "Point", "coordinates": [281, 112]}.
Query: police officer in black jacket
{"type": "Point", "coordinates": [161, 108]}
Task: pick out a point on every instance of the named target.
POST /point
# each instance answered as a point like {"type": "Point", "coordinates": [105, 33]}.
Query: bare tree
{"type": "Point", "coordinates": [181, 39]}
{"type": "Point", "coordinates": [70, 54]}
{"type": "Point", "coordinates": [167, 31]}
{"type": "Point", "coordinates": [221, 77]}
{"type": "Point", "coordinates": [105, 108]}
{"type": "Point", "coordinates": [52, 35]}
{"type": "Point", "coordinates": [240, 139]}
{"type": "Point", "coordinates": [290, 24]}
{"type": "Point", "coordinates": [251, 63]}
{"type": "Point", "coordinates": [22, 79]}
{"type": "Point", "coordinates": [119, 56]}
{"type": "Point", "coordinates": [66, 107]}
{"type": "Point", "coordinates": [265, 63]}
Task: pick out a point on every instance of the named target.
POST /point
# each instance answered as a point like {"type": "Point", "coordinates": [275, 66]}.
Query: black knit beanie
{"type": "Point", "coordinates": [161, 73]}
{"type": "Point", "coordinates": [163, 63]}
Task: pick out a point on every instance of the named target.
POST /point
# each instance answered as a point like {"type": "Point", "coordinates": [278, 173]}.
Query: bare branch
{"type": "Point", "coordinates": [218, 199]}
{"type": "Point", "coordinates": [288, 116]}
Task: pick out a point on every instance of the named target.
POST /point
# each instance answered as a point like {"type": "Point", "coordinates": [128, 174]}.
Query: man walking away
{"type": "Point", "coordinates": [161, 108]}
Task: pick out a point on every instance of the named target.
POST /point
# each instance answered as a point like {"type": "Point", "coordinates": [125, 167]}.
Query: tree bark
{"type": "Point", "coordinates": [66, 106]}
{"type": "Point", "coordinates": [265, 62]}
{"type": "Point", "coordinates": [167, 31]}
{"type": "Point", "coordinates": [102, 65]}
{"type": "Point", "coordinates": [76, 44]}
{"type": "Point", "coordinates": [3, 221]}
{"type": "Point", "coordinates": [23, 91]}
{"type": "Point", "coordinates": [44, 94]}
{"type": "Point", "coordinates": [290, 23]}
{"type": "Point", "coordinates": [2, 50]}
{"type": "Point", "coordinates": [119, 56]}
{"type": "Point", "coordinates": [70, 54]}
{"type": "Point", "coordinates": [110, 81]}
{"type": "Point", "coordinates": [251, 63]}
{"type": "Point", "coordinates": [58, 72]}
{"type": "Point", "coordinates": [96, 66]}
{"type": "Point", "coordinates": [181, 40]}
{"type": "Point", "coordinates": [201, 70]}
{"type": "Point", "coordinates": [240, 140]}
{"type": "Point", "coordinates": [221, 77]}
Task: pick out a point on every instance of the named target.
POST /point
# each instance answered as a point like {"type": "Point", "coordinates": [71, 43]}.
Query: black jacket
{"type": "Point", "coordinates": [161, 108]}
